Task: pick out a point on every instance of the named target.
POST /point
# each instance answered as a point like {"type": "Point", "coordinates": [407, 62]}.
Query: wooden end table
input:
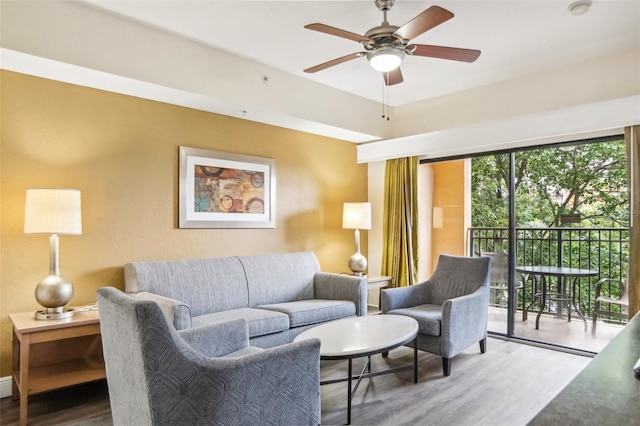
{"type": "Point", "coordinates": [53, 354]}
{"type": "Point", "coordinates": [379, 282]}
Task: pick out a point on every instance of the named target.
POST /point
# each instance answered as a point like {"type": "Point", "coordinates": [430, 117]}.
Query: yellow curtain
{"type": "Point", "coordinates": [632, 137]}
{"type": "Point", "coordinates": [400, 230]}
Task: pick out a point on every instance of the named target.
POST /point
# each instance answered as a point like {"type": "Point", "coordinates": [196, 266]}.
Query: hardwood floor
{"type": "Point", "coordinates": [79, 405]}
{"type": "Point", "coordinates": [507, 385]}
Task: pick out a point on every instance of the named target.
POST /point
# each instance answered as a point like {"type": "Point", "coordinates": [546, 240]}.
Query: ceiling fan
{"type": "Point", "coordinates": [386, 45]}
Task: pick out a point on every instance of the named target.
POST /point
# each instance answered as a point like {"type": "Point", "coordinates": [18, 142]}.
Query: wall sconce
{"type": "Point", "coordinates": [357, 216]}
{"type": "Point", "coordinates": [53, 211]}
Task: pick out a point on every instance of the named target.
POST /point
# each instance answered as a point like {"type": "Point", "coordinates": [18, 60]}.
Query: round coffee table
{"type": "Point", "coordinates": [358, 337]}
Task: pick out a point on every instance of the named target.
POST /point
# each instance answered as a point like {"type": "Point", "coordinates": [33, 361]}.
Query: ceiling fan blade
{"type": "Point", "coordinates": [422, 23]}
{"type": "Point", "coordinates": [337, 32]}
{"type": "Point", "coordinates": [333, 62]}
{"type": "Point", "coordinates": [393, 77]}
{"type": "Point", "coordinates": [442, 52]}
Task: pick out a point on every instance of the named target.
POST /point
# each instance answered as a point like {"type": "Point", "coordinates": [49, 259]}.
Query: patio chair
{"type": "Point", "coordinates": [498, 284]}
{"type": "Point", "coordinates": [622, 301]}
{"type": "Point", "coordinates": [203, 375]}
{"type": "Point", "coordinates": [451, 307]}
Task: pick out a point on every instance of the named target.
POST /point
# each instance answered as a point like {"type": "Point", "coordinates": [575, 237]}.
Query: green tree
{"type": "Point", "coordinates": [490, 191]}
{"type": "Point", "coordinates": [589, 179]}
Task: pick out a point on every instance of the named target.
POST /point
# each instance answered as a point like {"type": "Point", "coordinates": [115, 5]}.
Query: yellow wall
{"type": "Point", "coordinates": [450, 192]}
{"type": "Point", "coordinates": [122, 153]}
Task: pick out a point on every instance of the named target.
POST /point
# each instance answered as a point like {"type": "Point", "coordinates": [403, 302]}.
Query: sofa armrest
{"type": "Point", "coordinates": [404, 297]}
{"type": "Point", "coordinates": [218, 340]}
{"type": "Point", "coordinates": [178, 313]}
{"type": "Point", "coordinates": [464, 321]}
{"type": "Point", "coordinates": [342, 287]}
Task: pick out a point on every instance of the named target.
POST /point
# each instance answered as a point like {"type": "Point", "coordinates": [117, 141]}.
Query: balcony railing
{"type": "Point", "coordinates": [605, 250]}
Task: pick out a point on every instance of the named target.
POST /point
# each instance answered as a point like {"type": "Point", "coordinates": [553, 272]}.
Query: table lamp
{"type": "Point", "coordinates": [357, 216]}
{"type": "Point", "coordinates": [53, 211]}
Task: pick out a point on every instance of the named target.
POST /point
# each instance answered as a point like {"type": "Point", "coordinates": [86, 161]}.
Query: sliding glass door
{"type": "Point", "coordinates": [565, 228]}
{"type": "Point", "coordinates": [489, 236]}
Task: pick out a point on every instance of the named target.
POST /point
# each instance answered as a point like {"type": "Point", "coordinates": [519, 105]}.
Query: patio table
{"type": "Point", "coordinates": [563, 274]}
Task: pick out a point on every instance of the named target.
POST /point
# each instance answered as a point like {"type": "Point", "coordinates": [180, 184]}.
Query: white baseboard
{"type": "Point", "coordinates": [5, 386]}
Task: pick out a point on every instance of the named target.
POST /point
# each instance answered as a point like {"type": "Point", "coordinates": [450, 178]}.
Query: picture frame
{"type": "Point", "coordinates": [225, 190]}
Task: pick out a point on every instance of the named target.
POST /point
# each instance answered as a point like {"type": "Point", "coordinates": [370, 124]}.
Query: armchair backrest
{"type": "Point", "coordinates": [123, 355]}
{"type": "Point", "coordinates": [154, 376]}
{"type": "Point", "coordinates": [147, 362]}
{"type": "Point", "coordinates": [457, 276]}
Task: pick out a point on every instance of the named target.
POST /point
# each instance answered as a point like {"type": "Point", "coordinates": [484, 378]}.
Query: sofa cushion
{"type": "Point", "coordinates": [304, 312]}
{"type": "Point", "coordinates": [428, 316]}
{"type": "Point", "coordinates": [260, 321]}
{"type": "Point", "coordinates": [277, 278]}
{"type": "Point", "coordinates": [204, 285]}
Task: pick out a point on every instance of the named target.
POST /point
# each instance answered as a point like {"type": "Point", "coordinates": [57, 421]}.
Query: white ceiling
{"type": "Point", "coordinates": [516, 38]}
{"type": "Point", "coordinates": [544, 75]}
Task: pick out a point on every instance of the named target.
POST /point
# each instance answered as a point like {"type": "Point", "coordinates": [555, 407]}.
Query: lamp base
{"type": "Point", "coordinates": [358, 264]}
{"type": "Point", "coordinates": [55, 313]}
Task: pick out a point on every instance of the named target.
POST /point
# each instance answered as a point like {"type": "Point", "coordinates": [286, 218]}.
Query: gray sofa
{"type": "Point", "coordinates": [278, 295]}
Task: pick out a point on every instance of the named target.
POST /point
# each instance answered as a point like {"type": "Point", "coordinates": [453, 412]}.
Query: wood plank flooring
{"type": "Point", "coordinates": [507, 385]}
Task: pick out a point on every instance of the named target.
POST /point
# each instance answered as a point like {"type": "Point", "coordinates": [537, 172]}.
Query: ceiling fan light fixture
{"type": "Point", "coordinates": [385, 59]}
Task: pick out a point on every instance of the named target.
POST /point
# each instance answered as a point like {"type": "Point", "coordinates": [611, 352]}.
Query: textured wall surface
{"type": "Point", "coordinates": [122, 153]}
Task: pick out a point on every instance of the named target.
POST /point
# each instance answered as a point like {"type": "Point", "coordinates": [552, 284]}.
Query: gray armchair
{"type": "Point", "coordinates": [451, 307]}
{"type": "Point", "coordinates": [205, 375]}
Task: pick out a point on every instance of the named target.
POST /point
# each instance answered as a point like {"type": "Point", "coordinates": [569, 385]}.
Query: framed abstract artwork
{"type": "Point", "coordinates": [225, 190]}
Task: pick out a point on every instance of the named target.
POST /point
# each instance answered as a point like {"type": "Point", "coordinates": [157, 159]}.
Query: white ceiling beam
{"type": "Point", "coordinates": [580, 122]}
{"type": "Point", "coordinates": [132, 58]}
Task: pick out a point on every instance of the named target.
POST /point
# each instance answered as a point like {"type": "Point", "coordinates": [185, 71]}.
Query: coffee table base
{"type": "Point", "coordinates": [352, 390]}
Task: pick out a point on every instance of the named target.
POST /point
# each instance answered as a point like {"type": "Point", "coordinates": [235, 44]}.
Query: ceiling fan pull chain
{"type": "Point", "coordinates": [383, 87]}
{"type": "Point", "coordinates": [385, 99]}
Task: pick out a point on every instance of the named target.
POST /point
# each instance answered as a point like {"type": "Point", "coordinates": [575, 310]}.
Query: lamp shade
{"type": "Point", "coordinates": [356, 216]}
{"type": "Point", "coordinates": [53, 211]}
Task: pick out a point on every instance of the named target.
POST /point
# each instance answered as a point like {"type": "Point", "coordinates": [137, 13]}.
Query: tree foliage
{"type": "Point", "coordinates": [589, 180]}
